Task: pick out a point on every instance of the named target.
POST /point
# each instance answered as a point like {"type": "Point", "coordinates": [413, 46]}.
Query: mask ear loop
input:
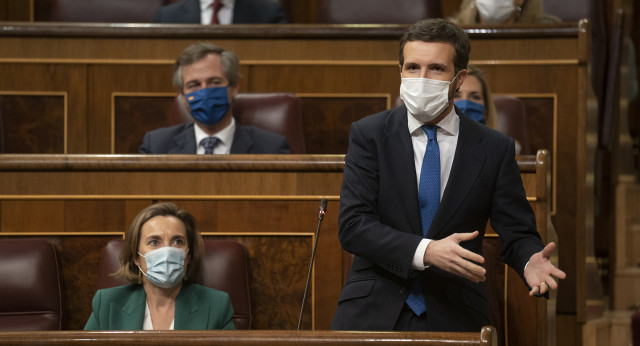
{"type": "Point", "coordinates": [185, 278]}
{"type": "Point", "coordinates": [454, 93]}
{"type": "Point", "coordinates": [140, 272]}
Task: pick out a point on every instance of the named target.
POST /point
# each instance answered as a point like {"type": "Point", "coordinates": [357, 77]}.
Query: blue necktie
{"type": "Point", "coordinates": [208, 143]}
{"type": "Point", "coordinates": [429, 199]}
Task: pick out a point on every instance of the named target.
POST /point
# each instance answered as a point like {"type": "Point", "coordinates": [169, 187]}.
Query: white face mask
{"type": "Point", "coordinates": [495, 11]}
{"type": "Point", "coordinates": [425, 98]}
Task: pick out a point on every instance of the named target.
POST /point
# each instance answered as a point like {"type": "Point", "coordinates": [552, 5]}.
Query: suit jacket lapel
{"type": "Point", "coordinates": [192, 11]}
{"type": "Point", "coordinates": [129, 316]}
{"type": "Point", "coordinates": [185, 141]}
{"type": "Point", "coordinates": [467, 164]}
{"type": "Point", "coordinates": [398, 149]}
{"type": "Point", "coordinates": [190, 314]}
{"type": "Point", "coordinates": [242, 142]}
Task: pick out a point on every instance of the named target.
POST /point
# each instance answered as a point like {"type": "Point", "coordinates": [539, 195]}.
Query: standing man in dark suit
{"type": "Point", "coordinates": [222, 12]}
{"type": "Point", "coordinates": [420, 183]}
{"type": "Point", "coordinates": [206, 77]}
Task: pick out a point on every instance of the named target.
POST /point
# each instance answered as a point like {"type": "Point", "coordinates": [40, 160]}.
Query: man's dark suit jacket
{"type": "Point", "coordinates": [379, 223]}
{"type": "Point", "coordinates": [244, 12]}
{"type": "Point", "coordinates": [181, 139]}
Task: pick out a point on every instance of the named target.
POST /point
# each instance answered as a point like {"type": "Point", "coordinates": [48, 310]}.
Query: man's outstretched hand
{"type": "Point", "coordinates": [540, 273]}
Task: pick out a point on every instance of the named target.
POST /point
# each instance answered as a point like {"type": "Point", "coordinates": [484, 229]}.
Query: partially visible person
{"type": "Point", "coordinates": [161, 257]}
{"type": "Point", "coordinates": [474, 98]}
{"type": "Point", "coordinates": [206, 78]}
{"type": "Point", "coordinates": [226, 12]}
{"type": "Point", "coordinates": [502, 12]}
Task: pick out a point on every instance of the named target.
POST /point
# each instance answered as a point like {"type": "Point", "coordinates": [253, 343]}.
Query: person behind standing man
{"type": "Point", "coordinates": [420, 183]}
{"type": "Point", "coordinates": [222, 12]}
{"type": "Point", "coordinates": [474, 100]}
{"type": "Point", "coordinates": [206, 77]}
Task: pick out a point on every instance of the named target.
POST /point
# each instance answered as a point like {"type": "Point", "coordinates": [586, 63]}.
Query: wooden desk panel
{"type": "Point", "coordinates": [266, 202]}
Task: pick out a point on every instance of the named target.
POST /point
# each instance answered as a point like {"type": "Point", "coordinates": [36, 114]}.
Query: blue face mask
{"type": "Point", "coordinates": [165, 266]}
{"type": "Point", "coordinates": [209, 105]}
{"type": "Point", "coordinates": [471, 109]}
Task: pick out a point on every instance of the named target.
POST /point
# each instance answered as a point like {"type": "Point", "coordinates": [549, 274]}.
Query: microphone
{"type": "Point", "coordinates": [322, 209]}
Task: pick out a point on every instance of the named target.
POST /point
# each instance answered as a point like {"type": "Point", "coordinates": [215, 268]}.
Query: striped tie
{"type": "Point", "coordinates": [208, 143]}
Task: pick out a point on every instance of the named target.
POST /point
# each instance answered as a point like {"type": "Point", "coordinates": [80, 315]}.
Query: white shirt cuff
{"type": "Point", "coordinates": [418, 256]}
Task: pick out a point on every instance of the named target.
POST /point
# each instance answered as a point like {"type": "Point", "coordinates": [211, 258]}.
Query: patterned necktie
{"type": "Point", "coordinates": [429, 199]}
{"type": "Point", "coordinates": [208, 143]}
{"type": "Point", "coordinates": [217, 5]}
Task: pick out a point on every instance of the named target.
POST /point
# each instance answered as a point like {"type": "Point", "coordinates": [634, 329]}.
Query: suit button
{"type": "Point", "coordinates": [403, 290]}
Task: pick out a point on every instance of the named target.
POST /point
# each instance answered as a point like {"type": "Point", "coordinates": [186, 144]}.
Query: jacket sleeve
{"type": "Point", "coordinates": [157, 17]}
{"type": "Point", "coordinates": [362, 228]}
{"type": "Point", "coordinates": [512, 216]}
{"type": "Point", "coordinates": [145, 148]}
{"type": "Point", "coordinates": [283, 148]}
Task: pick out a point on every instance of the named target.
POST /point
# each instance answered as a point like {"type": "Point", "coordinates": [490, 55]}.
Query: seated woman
{"type": "Point", "coordinates": [475, 101]}
{"type": "Point", "coordinates": [474, 98]}
{"type": "Point", "coordinates": [162, 255]}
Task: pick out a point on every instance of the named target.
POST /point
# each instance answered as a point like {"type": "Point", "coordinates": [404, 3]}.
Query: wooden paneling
{"type": "Point", "coordinates": [268, 203]}
{"type": "Point", "coordinates": [275, 302]}
{"type": "Point", "coordinates": [134, 115]}
{"type": "Point", "coordinates": [106, 83]}
{"type": "Point", "coordinates": [33, 123]}
{"type": "Point", "coordinates": [517, 304]}
{"type": "Point", "coordinates": [13, 10]}
{"type": "Point", "coordinates": [320, 59]}
{"type": "Point", "coordinates": [541, 117]}
{"type": "Point", "coordinates": [47, 99]}
{"type": "Point", "coordinates": [450, 7]}
{"type": "Point", "coordinates": [327, 119]}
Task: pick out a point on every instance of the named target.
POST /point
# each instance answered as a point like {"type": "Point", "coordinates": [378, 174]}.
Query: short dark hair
{"type": "Point", "coordinates": [439, 30]}
{"type": "Point", "coordinates": [198, 51]}
{"type": "Point", "coordinates": [129, 270]}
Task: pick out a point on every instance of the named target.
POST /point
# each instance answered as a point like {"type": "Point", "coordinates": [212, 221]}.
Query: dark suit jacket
{"type": "Point", "coordinates": [380, 223]}
{"type": "Point", "coordinates": [197, 308]}
{"type": "Point", "coordinates": [244, 12]}
{"type": "Point", "coordinates": [181, 139]}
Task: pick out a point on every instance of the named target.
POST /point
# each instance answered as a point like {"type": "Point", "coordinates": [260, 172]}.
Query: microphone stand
{"type": "Point", "coordinates": [322, 211]}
